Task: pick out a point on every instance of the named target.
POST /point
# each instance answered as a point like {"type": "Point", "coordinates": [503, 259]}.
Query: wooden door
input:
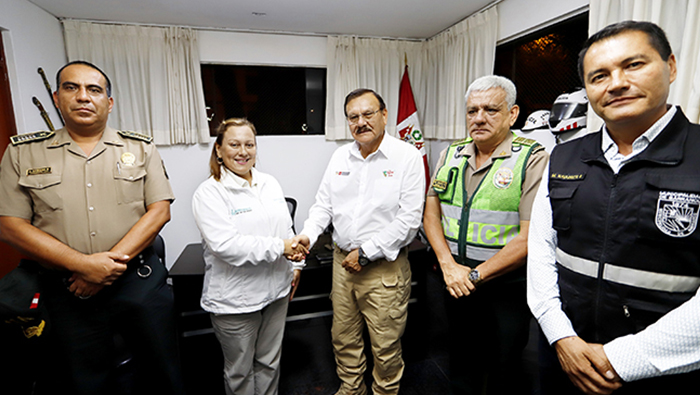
{"type": "Point", "coordinates": [9, 257]}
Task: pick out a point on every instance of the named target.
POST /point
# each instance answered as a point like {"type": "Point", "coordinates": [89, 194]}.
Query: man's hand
{"type": "Point", "coordinates": [350, 263]}
{"type": "Point", "coordinates": [102, 268]}
{"type": "Point", "coordinates": [456, 278]}
{"type": "Point", "coordinates": [296, 248]}
{"type": "Point", "coordinates": [608, 371]}
{"type": "Point", "coordinates": [590, 371]}
{"type": "Point", "coordinates": [83, 289]}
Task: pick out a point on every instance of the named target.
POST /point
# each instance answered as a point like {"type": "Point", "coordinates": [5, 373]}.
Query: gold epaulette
{"type": "Point", "coordinates": [524, 141]}
{"type": "Point", "coordinates": [462, 142]}
{"type": "Point", "coordinates": [136, 136]}
{"type": "Point", "coordinates": [30, 137]}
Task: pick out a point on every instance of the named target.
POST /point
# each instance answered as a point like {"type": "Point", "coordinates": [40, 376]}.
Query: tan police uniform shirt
{"type": "Point", "coordinates": [536, 165]}
{"type": "Point", "coordinates": [87, 202]}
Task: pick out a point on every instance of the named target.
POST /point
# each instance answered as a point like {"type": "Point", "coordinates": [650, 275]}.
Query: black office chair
{"type": "Point", "coordinates": [159, 248]}
{"type": "Point", "coordinates": [292, 206]}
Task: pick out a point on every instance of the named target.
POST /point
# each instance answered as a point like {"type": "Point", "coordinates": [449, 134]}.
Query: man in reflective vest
{"type": "Point", "coordinates": [614, 264]}
{"type": "Point", "coordinates": [476, 219]}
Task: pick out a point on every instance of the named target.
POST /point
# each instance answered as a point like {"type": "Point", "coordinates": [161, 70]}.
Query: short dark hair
{"type": "Point", "coordinates": [657, 39]}
{"type": "Point", "coordinates": [359, 92]}
{"type": "Point", "coordinates": [88, 64]}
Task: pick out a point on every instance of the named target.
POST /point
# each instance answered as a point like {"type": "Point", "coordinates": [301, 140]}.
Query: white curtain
{"type": "Point", "coordinates": [155, 74]}
{"type": "Point", "coordinates": [680, 19]}
{"type": "Point", "coordinates": [440, 70]}
{"type": "Point", "coordinates": [456, 57]}
{"type": "Point", "coordinates": [371, 63]}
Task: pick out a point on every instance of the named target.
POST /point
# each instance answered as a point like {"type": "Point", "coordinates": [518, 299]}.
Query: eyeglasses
{"type": "Point", "coordinates": [354, 119]}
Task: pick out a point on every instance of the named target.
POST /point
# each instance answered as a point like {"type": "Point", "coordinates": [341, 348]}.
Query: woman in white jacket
{"type": "Point", "coordinates": [248, 280]}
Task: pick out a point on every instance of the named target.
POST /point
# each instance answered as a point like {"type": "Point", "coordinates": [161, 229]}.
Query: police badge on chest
{"type": "Point", "coordinates": [677, 213]}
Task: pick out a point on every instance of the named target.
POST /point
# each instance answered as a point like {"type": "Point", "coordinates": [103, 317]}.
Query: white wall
{"type": "Point", "coordinates": [32, 39]}
{"type": "Point", "coordinates": [518, 17]}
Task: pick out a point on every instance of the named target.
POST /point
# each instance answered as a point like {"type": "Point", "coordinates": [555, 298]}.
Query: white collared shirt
{"type": "Point", "coordinates": [243, 227]}
{"type": "Point", "coordinates": [375, 203]}
{"type": "Point", "coordinates": [668, 346]}
{"type": "Point", "coordinates": [612, 152]}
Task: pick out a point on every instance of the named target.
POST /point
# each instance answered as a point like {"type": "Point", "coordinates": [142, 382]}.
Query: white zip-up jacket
{"type": "Point", "coordinates": [243, 227]}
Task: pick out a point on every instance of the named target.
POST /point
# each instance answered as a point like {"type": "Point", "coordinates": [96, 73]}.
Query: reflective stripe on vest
{"type": "Point", "coordinates": [487, 230]}
{"type": "Point", "coordinates": [627, 276]}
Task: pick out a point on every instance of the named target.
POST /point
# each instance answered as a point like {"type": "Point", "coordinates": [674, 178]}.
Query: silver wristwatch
{"type": "Point", "coordinates": [475, 277]}
{"type": "Point", "coordinates": [363, 260]}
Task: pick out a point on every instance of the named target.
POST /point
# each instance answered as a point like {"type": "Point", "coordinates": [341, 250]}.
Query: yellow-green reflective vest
{"type": "Point", "coordinates": [491, 213]}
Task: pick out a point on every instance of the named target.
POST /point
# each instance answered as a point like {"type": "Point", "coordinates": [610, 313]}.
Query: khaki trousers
{"type": "Point", "coordinates": [378, 298]}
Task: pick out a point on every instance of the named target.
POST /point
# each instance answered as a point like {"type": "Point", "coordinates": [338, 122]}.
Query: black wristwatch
{"type": "Point", "coordinates": [363, 260]}
{"type": "Point", "coordinates": [475, 277]}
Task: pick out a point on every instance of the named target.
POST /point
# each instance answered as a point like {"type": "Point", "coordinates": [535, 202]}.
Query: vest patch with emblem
{"type": "Point", "coordinates": [677, 213]}
{"type": "Point", "coordinates": [503, 178]}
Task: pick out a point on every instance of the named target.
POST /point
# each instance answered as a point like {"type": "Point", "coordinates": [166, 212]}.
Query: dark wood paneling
{"type": "Point", "coordinates": [9, 257]}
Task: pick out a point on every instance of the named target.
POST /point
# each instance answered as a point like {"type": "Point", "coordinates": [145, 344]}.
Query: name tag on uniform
{"type": "Point", "coordinates": [39, 170]}
{"type": "Point", "coordinates": [567, 177]}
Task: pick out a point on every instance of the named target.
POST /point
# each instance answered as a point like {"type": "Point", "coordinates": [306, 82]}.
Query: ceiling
{"type": "Point", "coordinates": [414, 19]}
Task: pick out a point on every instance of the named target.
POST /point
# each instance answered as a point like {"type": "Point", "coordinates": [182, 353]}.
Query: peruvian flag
{"type": "Point", "coordinates": [407, 122]}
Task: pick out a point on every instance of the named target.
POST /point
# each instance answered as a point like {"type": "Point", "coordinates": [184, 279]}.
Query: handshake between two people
{"type": "Point", "coordinates": [296, 248]}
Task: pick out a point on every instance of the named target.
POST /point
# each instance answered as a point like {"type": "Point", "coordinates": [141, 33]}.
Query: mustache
{"type": "Point", "coordinates": [363, 129]}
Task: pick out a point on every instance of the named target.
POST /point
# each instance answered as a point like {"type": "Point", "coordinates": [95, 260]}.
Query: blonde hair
{"type": "Point", "coordinates": [214, 164]}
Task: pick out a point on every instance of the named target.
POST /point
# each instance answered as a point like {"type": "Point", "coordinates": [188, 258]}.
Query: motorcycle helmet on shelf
{"type": "Point", "coordinates": [537, 120]}
{"type": "Point", "coordinates": [569, 112]}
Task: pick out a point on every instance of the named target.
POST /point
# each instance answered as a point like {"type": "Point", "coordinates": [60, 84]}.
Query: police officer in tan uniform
{"type": "Point", "coordinates": [86, 202]}
{"type": "Point", "coordinates": [482, 260]}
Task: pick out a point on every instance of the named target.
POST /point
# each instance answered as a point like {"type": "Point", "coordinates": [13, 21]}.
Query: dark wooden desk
{"type": "Point", "coordinates": [202, 361]}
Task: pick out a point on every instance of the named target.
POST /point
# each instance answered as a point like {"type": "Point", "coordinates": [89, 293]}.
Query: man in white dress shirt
{"type": "Point", "coordinates": [614, 267]}
{"type": "Point", "coordinates": [373, 193]}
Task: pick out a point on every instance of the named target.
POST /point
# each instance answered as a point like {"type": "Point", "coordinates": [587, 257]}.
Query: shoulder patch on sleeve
{"type": "Point", "coordinates": [30, 137]}
{"type": "Point", "coordinates": [136, 136]}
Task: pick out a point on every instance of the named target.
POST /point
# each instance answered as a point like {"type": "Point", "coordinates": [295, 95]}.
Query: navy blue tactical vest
{"type": "Point", "coordinates": [628, 244]}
